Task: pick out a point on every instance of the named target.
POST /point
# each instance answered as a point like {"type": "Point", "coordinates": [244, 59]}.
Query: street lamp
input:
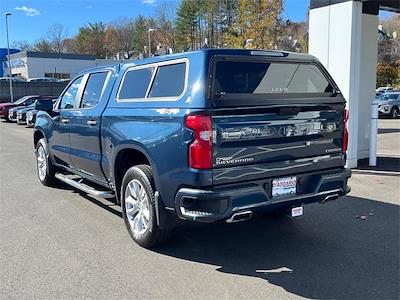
{"type": "Point", "coordinates": [7, 14]}
{"type": "Point", "coordinates": [148, 31]}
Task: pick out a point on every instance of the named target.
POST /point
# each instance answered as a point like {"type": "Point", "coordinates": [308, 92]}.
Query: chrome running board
{"type": "Point", "coordinates": [76, 183]}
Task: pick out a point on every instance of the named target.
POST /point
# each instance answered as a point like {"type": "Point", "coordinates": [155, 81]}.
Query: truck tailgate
{"type": "Point", "coordinates": [253, 143]}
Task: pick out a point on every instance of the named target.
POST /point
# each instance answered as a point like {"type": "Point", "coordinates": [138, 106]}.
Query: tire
{"type": "Point", "coordinates": [138, 205]}
{"type": "Point", "coordinates": [394, 113]}
{"type": "Point", "coordinates": [45, 168]}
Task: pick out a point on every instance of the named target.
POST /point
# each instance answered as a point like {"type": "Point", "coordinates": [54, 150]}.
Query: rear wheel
{"type": "Point", "coordinates": [395, 112]}
{"type": "Point", "coordinates": [44, 165]}
{"type": "Point", "coordinates": [138, 207]}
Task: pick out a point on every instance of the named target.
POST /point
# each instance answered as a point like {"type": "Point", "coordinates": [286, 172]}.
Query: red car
{"type": "Point", "coordinates": [24, 101]}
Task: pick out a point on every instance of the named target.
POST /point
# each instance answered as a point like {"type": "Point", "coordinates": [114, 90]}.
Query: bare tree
{"type": "Point", "coordinates": [22, 45]}
{"type": "Point", "coordinates": [42, 45]}
{"type": "Point", "coordinates": [124, 30]}
{"type": "Point", "coordinates": [56, 34]}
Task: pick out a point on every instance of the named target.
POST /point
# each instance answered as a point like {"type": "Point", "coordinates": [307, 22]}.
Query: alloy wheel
{"type": "Point", "coordinates": [137, 207]}
{"type": "Point", "coordinates": [41, 163]}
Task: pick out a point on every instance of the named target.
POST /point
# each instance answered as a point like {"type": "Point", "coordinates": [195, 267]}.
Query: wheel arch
{"type": "Point", "coordinates": [37, 135]}
{"type": "Point", "coordinates": [127, 157]}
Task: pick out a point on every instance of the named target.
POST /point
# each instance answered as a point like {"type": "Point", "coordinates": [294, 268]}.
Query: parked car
{"type": "Point", "coordinates": [22, 102]}
{"type": "Point", "coordinates": [15, 79]}
{"type": "Point", "coordinates": [12, 113]}
{"type": "Point", "coordinates": [389, 104]}
{"type": "Point", "coordinates": [205, 136]}
{"type": "Point", "coordinates": [43, 79]}
{"type": "Point", "coordinates": [31, 116]}
{"type": "Point", "coordinates": [384, 89]}
{"type": "Point", "coordinates": [21, 114]}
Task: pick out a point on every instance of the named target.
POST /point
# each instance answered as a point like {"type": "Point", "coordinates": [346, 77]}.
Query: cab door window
{"type": "Point", "coordinates": [70, 97]}
{"type": "Point", "coordinates": [94, 89]}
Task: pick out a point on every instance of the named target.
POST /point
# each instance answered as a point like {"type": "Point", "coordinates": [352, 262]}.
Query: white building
{"type": "Point", "coordinates": [343, 36]}
{"type": "Point", "coordinates": [29, 64]}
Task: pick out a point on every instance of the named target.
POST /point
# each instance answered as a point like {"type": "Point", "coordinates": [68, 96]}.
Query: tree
{"type": "Point", "coordinates": [139, 38]}
{"type": "Point", "coordinates": [387, 75]}
{"type": "Point", "coordinates": [111, 43]}
{"type": "Point", "coordinates": [56, 34]}
{"type": "Point", "coordinates": [257, 21]}
{"type": "Point", "coordinates": [90, 39]}
{"type": "Point", "coordinates": [22, 45]}
{"type": "Point", "coordinates": [165, 24]}
{"type": "Point", "coordinates": [42, 45]}
{"type": "Point", "coordinates": [294, 36]}
{"type": "Point", "coordinates": [187, 25]}
{"type": "Point", "coordinates": [70, 45]}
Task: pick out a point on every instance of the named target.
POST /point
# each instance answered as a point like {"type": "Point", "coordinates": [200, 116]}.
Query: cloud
{"type": "Point", "coordinates": [29, 11]}
{"type": "Point", "coordinates": [89, 6]}
{"type": "Point", "coordinates": [149, 2]}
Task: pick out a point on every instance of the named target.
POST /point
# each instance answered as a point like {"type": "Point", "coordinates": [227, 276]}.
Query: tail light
{"type": "Point", "coordinates": [346, 132]}
{"type": "Point", "coordinates": [200, 150]}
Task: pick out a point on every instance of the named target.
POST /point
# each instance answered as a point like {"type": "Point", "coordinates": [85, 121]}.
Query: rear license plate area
{"type": "Point", "coordinates": [284, 186]}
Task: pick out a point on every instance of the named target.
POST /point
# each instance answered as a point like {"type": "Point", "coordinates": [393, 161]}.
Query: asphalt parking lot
{"type": "Point", "coordinates": [58, 243]}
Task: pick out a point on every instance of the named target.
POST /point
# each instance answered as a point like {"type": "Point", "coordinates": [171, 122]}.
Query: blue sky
{"type": "Point", "coordinates": [31, 18]}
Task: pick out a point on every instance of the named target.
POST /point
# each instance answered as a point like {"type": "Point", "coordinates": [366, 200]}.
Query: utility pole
{"type": "Point", "coordinates": [7, 14]}
{"type": "Point", "coordinates": [148, 31]}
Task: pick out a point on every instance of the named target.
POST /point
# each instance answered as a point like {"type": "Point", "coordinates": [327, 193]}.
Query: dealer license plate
{"type": "Point", "coordinates": [284, 186]}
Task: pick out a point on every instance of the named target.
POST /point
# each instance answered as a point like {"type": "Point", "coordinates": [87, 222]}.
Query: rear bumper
{"type": "Point", "coordinates": [220, 203]}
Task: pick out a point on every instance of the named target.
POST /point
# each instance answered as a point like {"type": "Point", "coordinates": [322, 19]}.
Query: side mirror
{"type": "Point", "coordinates": [45, 105]}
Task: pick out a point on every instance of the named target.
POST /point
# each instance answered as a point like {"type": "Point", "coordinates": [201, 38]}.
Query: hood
{"type": "Point", "coordinates": [25, 109]}
{"type": "Point", "coordinates": [7, 104]}
{"type": "Point", "coordinates": [17, 107]}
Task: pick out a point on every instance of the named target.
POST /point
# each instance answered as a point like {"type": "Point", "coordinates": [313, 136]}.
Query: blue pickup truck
{"type": "Point", "coordinates": [206, 136]}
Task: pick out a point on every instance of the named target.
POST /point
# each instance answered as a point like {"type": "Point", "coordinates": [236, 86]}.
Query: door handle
{"type": "Point", "coordinates": [65, 121]}
{"type": "Point", "coordinates": [91, 122]}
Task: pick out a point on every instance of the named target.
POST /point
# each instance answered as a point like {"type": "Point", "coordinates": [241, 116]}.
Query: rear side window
{"type": "Point", "coordinates": [136, 83]}
{"type": "Point", "coordinates": [239, 77]}
{"type": "Point", "coordinates": [93, 90]}
{"type": "Point", "coordinates": [169, 81]}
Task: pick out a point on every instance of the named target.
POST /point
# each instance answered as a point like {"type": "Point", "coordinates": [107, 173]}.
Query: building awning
{"type": "Point", "coordinates": [369, 6]}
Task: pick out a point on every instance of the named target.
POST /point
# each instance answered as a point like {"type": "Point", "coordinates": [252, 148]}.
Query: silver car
{"type": "Point", "coordinates": [389, 104]}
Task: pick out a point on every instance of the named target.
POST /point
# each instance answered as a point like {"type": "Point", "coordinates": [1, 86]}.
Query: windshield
{"type": "Point", "coordinates": [243, 77]}
{"type": "Point", "coordinates": [385, 97]}
{"type": "Point", "coordinates": [20, 100]}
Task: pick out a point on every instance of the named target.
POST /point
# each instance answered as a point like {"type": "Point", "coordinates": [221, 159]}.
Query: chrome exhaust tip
{"type": "Point", "coordinates": [330, 198]}
{"type": "Point", "coordinates": [240, 216]}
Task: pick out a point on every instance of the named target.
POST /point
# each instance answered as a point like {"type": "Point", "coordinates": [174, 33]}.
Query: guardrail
{"type": "Point", "coordinates": [21, 89]}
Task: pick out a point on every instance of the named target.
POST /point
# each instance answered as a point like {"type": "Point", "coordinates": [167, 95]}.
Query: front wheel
{"type": "Point", "coordinates": [139, 209]}
{"type": "Point", "coordinates": [395, 113]}
{"type": "Point", "coordinates": [45, 168]}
